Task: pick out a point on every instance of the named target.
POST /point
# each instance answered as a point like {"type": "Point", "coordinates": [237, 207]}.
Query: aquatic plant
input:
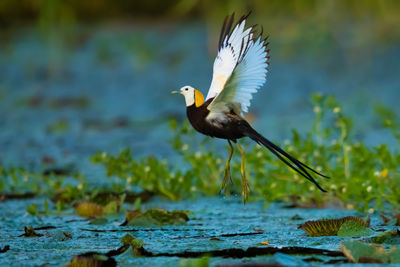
{"type": "Point", "coordinates": [359, 252]}
{"type": "Point", "coordinates": [346, 226]}
{"type": "Point", "coordinates": [362, 177]}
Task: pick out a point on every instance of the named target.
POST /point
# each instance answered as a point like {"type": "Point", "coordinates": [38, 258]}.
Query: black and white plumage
{"type": "Point", "coordinates": [239, 70]}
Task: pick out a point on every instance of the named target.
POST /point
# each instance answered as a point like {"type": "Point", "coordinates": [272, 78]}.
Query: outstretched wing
{"type": "Point", "coordinates": [240, 67]}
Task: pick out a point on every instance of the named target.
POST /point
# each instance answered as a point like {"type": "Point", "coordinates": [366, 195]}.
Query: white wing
{"type": "Point", "coordinates": [239, 70]}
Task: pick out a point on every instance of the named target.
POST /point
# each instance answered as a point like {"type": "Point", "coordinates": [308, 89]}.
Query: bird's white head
{"type": "Point", "coordinates": [192, 96]}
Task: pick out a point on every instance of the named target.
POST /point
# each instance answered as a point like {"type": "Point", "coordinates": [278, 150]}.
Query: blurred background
{"type": "Point", "coordinates": [81, 76]}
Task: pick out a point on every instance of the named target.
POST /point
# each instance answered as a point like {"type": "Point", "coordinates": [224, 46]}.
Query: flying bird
{"type": "Point", "coordinates": [240, 69]}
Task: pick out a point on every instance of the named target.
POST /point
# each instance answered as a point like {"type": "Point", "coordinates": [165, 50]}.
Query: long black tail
{"type": "Point", "coordinates": [294, 163]}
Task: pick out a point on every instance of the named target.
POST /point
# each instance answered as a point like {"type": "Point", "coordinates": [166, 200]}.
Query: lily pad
{"type": "Point", "coordinates": [353, 228]}
{"type": "Point", "coordinates": [359, 252]}
{"type": "Point", "coordinates": [92, 259]}
{"type": "Point", "coordinates": [331, 227]}
{"type": "Point", "coordinates": [156, 217]}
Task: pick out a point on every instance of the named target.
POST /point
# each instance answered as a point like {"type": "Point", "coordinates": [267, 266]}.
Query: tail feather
{"type": "Point", "coordinates": [294, 163]}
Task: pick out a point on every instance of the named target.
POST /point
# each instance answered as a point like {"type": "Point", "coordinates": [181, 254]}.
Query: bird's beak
{"type": "Point", "coordinates": [175, 92]}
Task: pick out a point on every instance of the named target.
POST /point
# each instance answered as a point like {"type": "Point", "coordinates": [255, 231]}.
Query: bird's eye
{"type": "Point", "coordinates": [186, 89]}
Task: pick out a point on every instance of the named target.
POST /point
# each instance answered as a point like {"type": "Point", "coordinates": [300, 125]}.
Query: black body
{"type": "Point", "coordinates": [232, 129]}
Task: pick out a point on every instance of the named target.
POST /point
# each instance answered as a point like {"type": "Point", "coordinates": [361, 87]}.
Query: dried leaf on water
{"type": "Point", "coordinates": [92, 259]}
{"type": "Point", "coordinates": [30, 232]}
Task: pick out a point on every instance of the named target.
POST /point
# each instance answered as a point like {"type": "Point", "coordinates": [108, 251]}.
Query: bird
{"type": "Point", "coordinates": [240, 69]}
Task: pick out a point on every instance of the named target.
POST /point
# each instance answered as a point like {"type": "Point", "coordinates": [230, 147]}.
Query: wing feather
{"type": "Point", "coordinates": [240, 68]}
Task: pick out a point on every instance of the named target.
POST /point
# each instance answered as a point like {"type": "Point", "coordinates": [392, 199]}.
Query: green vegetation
{"type": "Point", "coordinates": [354, 229]}
{"type": "Point", "coordinates": [362, 177]}
{"type": "Point", "coordinates": [359, 252]}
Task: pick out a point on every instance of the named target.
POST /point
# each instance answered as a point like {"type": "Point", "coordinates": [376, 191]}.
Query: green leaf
{"type": "Point", "coordinates": [127, 239]}
{"type": "Point", "coordinates": [111, 207]}
{"type": "Point", "coordinates": [137, 205]}
{"type": "Point", "coordinates": [131, 241]}
{"type": "Point", "coordinates": [137, 243]}
{"type": "Point", "coordinates": [359, 252]}
{"type": "Point", "coordinates": [387, 237]}
{"type": "Point", "coordinates": [202, 262]}
{"type": "Point", "coordinates": [354, 229]}
{"type": "Point", "coordinates": [32, 209]}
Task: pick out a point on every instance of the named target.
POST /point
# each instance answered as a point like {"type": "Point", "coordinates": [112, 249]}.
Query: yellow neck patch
{"type": "Point", "coordinates": [198, 98]}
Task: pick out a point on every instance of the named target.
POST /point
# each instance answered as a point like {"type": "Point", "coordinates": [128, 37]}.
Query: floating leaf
{"type": "Point", "coordinates": [296, 217]}
{"type": "Point", "coordinates": [136, 244]}
{"type": "Point", "coordinates": [386, 237]}
{"type": "Point", "coordinates": [266, 242]}
{"type": "Point", "coordinates": [92, 259]}
{"type": "Point", "coordinates": [330, 227]}
{"type": "Point", "coordinates": [359, 252]}
{"type": "Point", "coordinates": [156, 217]}
{"type": "Point", "coordinates": [353, 228]}
{"type": "Point", "coordinates": [202, 262]}
{"type": "Point", "coordinates": [131, 241]}
{"type": "Point", "coordinates": [98, 221]}
{"type": "Point", "coordinates": [88, 209]}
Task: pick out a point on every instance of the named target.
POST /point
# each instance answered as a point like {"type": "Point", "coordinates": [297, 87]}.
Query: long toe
{"type": "Point", "coordinates": [245, 189]}
{"type": "Point", "coordinates": [227, 177]}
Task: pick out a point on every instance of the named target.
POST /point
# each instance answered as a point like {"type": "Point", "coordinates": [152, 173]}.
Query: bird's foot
{"type": "Point", "coordinates": [245, 189]}
{"type": "Point", "coordinates": [227, 176]}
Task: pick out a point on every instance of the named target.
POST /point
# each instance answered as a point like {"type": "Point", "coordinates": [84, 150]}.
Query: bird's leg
{"type": "Point", "coordinates": [227, 173]}
{"type": "Point", "coordinates": [242, 172]}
